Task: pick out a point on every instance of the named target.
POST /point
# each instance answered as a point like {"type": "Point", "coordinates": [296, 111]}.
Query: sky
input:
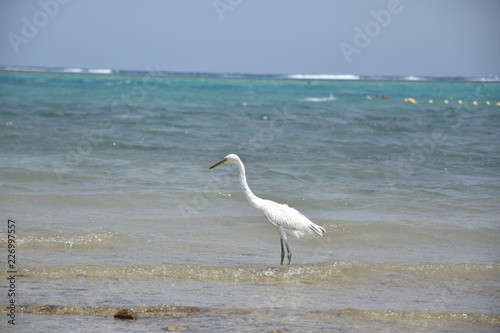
{"type": "Point", "coordinates": [386, 37]}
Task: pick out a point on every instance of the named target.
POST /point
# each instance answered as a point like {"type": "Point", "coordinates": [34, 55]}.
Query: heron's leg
{"type": "Point", "coordinates": [289, 256]}
{"type": "Point", "coordinates": [282, 251]}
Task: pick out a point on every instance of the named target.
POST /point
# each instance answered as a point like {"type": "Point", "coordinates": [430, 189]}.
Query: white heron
{"type": "Point", "coordinates": [287, 219]}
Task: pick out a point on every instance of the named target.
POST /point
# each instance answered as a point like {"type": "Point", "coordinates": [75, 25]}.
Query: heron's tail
{"type": "Point", "coordinates": [317, 229]}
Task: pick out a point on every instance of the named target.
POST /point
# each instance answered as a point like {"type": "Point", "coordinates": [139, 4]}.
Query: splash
{"type": "Point", "coordinates": [82, 239]}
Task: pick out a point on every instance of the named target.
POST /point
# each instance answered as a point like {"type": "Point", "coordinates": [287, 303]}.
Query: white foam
{"type": "Point", "coordinates": [72, 70]}
{"type": "Point", "coordinates": [318, 99]}
{"type": "Point", "coordinates": [89, 70]}
{"type": "Point", "coordinates": [486, 79]}
{"type": "Point", "coordinates": [100, 71]}
{"type": "Point", "coordinates": [323, 76]}
{"type": "Point", "coordinates": [414, 78]}
{"type": "Point", "coordinates": [25, 69]}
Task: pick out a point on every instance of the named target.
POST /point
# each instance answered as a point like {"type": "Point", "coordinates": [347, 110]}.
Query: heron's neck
{"type": "Point", "coordinates": [252, 198]}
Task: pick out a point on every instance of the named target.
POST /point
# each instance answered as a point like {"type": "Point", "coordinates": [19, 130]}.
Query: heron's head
{"type": "Point", "coordinates": [231, 158]}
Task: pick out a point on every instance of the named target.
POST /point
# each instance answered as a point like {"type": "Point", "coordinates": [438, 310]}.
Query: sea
{"type": "Point", "coordinates": [107, 202]}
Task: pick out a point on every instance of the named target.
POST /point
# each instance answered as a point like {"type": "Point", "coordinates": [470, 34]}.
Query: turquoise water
{"type": "Point", "coordinates": [106, 177]}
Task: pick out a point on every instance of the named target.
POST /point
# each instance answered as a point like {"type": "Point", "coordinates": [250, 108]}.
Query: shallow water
{"type": "Point", "coordinates": [107, 181]}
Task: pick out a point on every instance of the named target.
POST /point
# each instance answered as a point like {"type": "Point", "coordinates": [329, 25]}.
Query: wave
{"type": "Point", "coordinates": [176, 310]}
{"type": "Point", "coordinates": [72, 70]}
{"type": "Point", "coordinates": [485, 79]}
{"type": "Point", "coordinates": [82, 239]}
{"type": "Point", "coordinates": [418, 315]}
{"type": "Point", "coordinates": [25, 69]}
{"type": "Point", "coordinates": [244, 76]}
{"type": "Point", "coordinates": [318, 99]}
{"type": "Point", "coordinates": [415, 78]}
{"type": "Point", "coordinates": [68, 70]}
{"type": "Point", "coordinates": [100, 71]}
{"type": "Point", "coordinates": [323, 77]}
{"type": "Point", "coordinates": [87, 70]}
{"type": "Point", "coordinates": [328, 272]}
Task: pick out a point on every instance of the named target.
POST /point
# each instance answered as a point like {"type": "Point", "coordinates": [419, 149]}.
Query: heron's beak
{"type": "Point", "coordinates": [217, 164]}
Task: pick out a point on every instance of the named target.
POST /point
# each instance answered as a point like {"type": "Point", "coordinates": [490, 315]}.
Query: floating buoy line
{"type": "Point", "coordinates": [446, 101]}
{"type": "Point", "coordinates": [412, 100]}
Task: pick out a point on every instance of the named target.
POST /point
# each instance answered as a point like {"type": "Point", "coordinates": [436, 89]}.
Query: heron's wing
{"type": "Point", "coordinates": [288, 218]}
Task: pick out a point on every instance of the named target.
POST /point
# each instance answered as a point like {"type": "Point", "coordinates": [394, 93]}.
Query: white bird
{"type": "Point", "coordinates": [287, 219]}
